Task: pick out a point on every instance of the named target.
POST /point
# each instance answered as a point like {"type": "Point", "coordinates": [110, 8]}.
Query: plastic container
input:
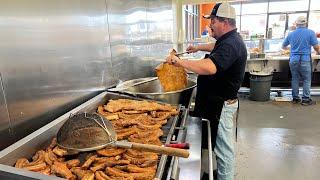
{"type": "Point", "coordinates": [260, 84]}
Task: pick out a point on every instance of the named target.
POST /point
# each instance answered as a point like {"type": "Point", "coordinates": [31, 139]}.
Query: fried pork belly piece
{"type": "Point", "coordinates": [148, 163]}
{"type": "Point", "coordinates": [141, 154]}
{"type": "Point", "coordinates": [139, 160]}
{"type": "Point", "coordinates": [147, 134]}
{"type": "Point", "coordinates": [107, 115]}
{"type": "Point", "coordinates": [88, 162]}
{"type": "Point", "coordinates": [125, 122]}
{"type": "Point", "coordinates": [120, 130]}
{"type": "Point", "coordinates": [88, 176]}
{"type": "Point", "coordinates": [36, 167]}
{"type": "Point", "coordinates": [171, 77]}
{"type": "Point", "coordinates": [50, 157]}
{"type": "Point", "coordinates": [100, 160]}
{"type": "Point", "coordinates": [126, 134]}
{"type": "Point", "coordinates": [59, 151]}
{"type": "Point", "coordinates": [110, 151]}
{"type": "Point", "coordinates": [137, 176]}
{"type": "Point", "coordinates": [73, 163]}
{"type": "Point", "coordinates": [83, 174]}
{"type": "Point", "coordinates": [20, 163]}
{"type": "Point", "coordinates": [123, 115]}
{"type": "Point", "coordinates": [52, 144]}
{"type": "Point", "coordinates": [136, 169]}
{"type": "Point", "coordinates": [147, 140]}
{"type": "Point", "coordinates": [127, 104]}
{"type": "Point", "coordinates": [161, 116]}
{"type": "Point", "coordinates": [102, 166]}
{"type": "Point", "coordinates": [62, 170]}
{"type": "Point", "coordinates": [148, 127]}
{"type": "Point", "coordinates": [133, 112]}
{"type": "Point", "coordinates": [46, 171]}
{"type": "Point", "coordinates": [102, 176]}
{"type": "Point", "coordinates": [38, 158]}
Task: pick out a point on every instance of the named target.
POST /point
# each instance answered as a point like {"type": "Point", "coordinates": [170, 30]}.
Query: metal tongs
{"type": "Point", "coordinates": [181, 53]}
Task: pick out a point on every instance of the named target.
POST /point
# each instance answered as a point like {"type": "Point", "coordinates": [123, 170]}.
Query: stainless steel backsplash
{"type": "Point", "coordinates": [56, 54]}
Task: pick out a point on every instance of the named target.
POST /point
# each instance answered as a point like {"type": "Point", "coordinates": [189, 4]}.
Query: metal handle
{"type": "Point", "coordinates": [153, 148]}
{"type": "Point", "coordinates": [210, 150]}
{"type": "Point", "coordinates": [117, 89]}
{"type": "Point", "coordinates": [179, 145]}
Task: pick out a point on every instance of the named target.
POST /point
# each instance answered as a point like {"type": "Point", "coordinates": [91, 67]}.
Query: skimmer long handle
{"type": "Point", "coordinates": [153, 148]}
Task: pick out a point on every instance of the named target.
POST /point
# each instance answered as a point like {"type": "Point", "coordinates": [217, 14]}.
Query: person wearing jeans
{"type": "Point", "coordinates": [224, 148]}
{"type": "Point", "coordinates": [301, 70]}
{"type": "Point", "coordinates": [220, 75]}
{"type": "Point", "coordinates": [300, 63]}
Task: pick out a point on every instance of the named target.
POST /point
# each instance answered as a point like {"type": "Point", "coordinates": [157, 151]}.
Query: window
{"type": "Point", "coordinates": [277, 23]}
{"type": "Point", "coordinates": [238, 23]}
{"type": "Point", "coordinates": [314, 5]}
{"type": "Point", "coordinates": [254, 8]}
{"type": "Point", "coordinates": [237, 7]}
{"type": "Point", "coordinates": [314, 22]}
{"type": "Point", "coordinates": [191, 20]}
{"type": "Point", "coordinates": [289, 6]}
{"type": "Point", "coordinates": [293, 17]}
{"type": "Point", "coordinates": [254, 24]}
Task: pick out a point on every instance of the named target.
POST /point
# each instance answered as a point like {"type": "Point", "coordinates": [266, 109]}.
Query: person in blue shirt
{"type": "Point", "coordinates": [300, 63]}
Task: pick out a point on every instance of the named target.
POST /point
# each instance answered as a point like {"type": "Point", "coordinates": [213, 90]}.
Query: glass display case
{"type": "Point", "coordinates": [268, 46]}
{"type": "Point", "coordinates": [273, 45]}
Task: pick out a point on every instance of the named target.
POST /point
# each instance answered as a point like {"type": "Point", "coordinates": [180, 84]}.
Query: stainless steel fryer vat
{"type": "Point", "coordinates": [153, 90]}
{"type": "Point", "coordinates": [41, 138]}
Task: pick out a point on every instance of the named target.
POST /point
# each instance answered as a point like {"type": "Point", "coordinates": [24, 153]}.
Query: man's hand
{"type": "Point", "coordinates": [172, 59]}
{"type": "Point", "coordinates": [192, 49]}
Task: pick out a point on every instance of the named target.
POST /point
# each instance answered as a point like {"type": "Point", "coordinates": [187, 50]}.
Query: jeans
{"type": "Point", "coordinates": [300, 69]}
{"type": "Point", "coordinates": [224, 148]}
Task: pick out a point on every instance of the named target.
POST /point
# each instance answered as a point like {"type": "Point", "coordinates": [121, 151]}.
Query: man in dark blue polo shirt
{"type": "Point", "coordinates": [300, 63]}
{"type": "Point", "coordinates": [220, 76]}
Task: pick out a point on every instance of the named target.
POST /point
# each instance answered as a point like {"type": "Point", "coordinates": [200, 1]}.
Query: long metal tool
{"type": "Point", "coordinates": [119, 89]}
{"type": "Point", "coordinates": [87, 132]}
{"type": "Point", "coordinates": [179, 54]}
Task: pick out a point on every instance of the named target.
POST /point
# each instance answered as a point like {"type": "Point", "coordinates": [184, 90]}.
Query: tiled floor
{"type": "Point", "coordinates": [278, 141]}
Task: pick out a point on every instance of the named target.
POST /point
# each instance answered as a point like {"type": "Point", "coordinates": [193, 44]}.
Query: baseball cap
{"type": "Point", "coordinates": [301, 20]}
{"type": "Point", "coordinates": [222, 10]}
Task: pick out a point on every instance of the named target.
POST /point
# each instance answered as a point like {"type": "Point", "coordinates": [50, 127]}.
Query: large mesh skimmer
{"type": "Point", "coordinates": [87, 132]}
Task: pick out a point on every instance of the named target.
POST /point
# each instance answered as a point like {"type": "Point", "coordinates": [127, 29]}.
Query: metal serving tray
{"type": "Point", "coordinates": [41, 138]}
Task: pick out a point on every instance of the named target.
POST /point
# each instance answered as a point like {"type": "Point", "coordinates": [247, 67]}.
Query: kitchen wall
{"type": "Point", "coordinates": [54, 55]}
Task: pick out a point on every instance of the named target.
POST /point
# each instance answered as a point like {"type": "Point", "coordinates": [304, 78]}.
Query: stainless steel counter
{"type": "Point", "coordinates": [189, 130]}
{"type": "Point", "coordinates": [191, 168]}
{"type": "Point", "coordinates": [277, 64]}
{"type": "Point", "coordinates": [280, 58]}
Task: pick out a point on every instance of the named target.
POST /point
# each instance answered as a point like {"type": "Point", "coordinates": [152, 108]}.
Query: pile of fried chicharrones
{"type": "Point", "coordinates": [136, 121]}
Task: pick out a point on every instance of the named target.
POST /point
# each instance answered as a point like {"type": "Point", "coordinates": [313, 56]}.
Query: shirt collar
{"type": "Point", "coordinates": [226, 35]}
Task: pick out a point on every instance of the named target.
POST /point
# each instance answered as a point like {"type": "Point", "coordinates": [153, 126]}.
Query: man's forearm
{"type": "Point", "coordinates": [317, 48]}
{"type": "Point", "coordinates": [201, 67]}
{"type": "Point", "coordinates": [206, 47]}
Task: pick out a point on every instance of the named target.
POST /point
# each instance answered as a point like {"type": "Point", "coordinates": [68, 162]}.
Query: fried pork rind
{"type": "Point", "coordinates": [73, 163]}
{"type": "Point", "coordinates": [89, 161]}
{"type": "Point", "coordinates": [62, 170]}
{"type": "Point", "coordinates": [20, 163]}
{"type": "Point", "coordinates": [127, 104]}
{"type": "Point", "coordinates": [137, 176]}
{"type": "Point", "coordinates": [111, 151]}
{"type": "Point", "coordinates": [171, 77]}
{"type": "Point", "coordinates": [102, 176]}
{"type": "Point", "coordinates": [107, 115]}
{"type": "Point", "coordinates": [83, 174]}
